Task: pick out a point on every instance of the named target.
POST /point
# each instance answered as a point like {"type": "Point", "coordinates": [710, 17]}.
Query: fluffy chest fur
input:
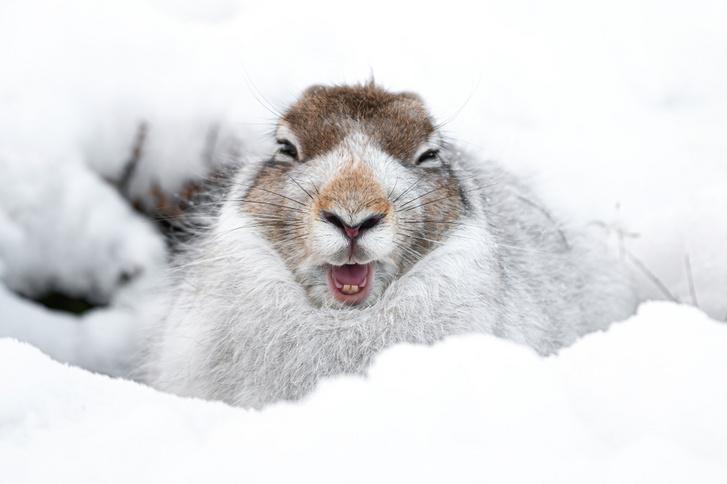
{"type": "Point", "coordinates": [240, 327]}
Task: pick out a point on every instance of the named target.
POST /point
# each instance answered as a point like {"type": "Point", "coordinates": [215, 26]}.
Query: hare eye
{"type": "Point", "coordinates": [287, 148]}
{"type": "Point", "coordinates": [428, 155]}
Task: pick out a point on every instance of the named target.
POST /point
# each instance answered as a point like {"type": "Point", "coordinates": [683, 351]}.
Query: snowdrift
{"type": "Point", "coordinates": [644, 402]}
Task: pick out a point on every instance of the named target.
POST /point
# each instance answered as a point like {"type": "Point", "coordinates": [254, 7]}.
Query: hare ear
{"type": "Point", "coordinates": [412, 96]}
{"type": "Point", "coordinates": [371, 82]}
{"type": "Point", "coordinates": [314, 89]}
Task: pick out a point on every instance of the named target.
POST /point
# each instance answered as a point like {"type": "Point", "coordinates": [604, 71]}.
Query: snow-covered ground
{"type": "Point", "coordinates": [614, 111]}
{"type": "Point", "coordinates": [644, 402]}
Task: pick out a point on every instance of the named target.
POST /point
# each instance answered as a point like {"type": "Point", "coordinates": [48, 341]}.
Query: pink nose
{"type": "Point", "coordinates": [351, 232]}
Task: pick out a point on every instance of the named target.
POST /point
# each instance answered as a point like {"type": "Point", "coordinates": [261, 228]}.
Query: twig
{"type": "Point", "coordinates": [651, 276]}
{"type": "Point", "coordinates": [131, 164]}
{"type": "Point", "coordinates": [550, 218]}
{"type": "Point", "coordinates": [690, 278]}
{"type": "Point", "coordinates": [210, 145]}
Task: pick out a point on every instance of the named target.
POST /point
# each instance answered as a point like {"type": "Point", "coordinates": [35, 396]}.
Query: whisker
{"type": "Point", "coordinates": [259, 96]}
{"type": "Point", "coordinates": [393, 188]}
{"type": "Point", "coordinates": [421, 196]}
{"type": "Point", "coordinates": [408, 189]}
{"type": "Point", "coordinates": [314, 187]}
{"type": "Point", "coordinates": [267, 203]}
{"type": "Point", "coordinates": [299, 186]}
{"type": "Point", "coordinates": [281, 196]}
{"type": "Point", "coordinates": [477, 189]}
{"type": "Point", "coordinates": [290, 239]}
{"type": "Point", "coordinates": [407, 254]}
{"type": "Point", "coordinates": [196, 262]}
{"type": "Point", "coordinates": [271, 223]}
{"type": "Point", "coordinates": [529, 250]}
{"type": "Point", "coordinates": [428, 221]}
{"type": "Point", "coordinates": [428, 203]}
{"type": "Point", "coordinates": [273, 217]}
{"type": "Point", "coordinates": [413, 235]}
{"type": "Point", "coordinates": [414, 252]}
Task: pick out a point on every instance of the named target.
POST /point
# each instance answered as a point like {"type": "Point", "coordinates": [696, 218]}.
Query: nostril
{"type": "Point", "coordinates": [371, 221]}
{"type": "Point", "coordinates": [333, 219]}
{"type": "Point", "coordinates": [352, 231]}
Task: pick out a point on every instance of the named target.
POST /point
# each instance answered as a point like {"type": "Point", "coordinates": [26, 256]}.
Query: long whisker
{"type": "Point", "coordinates": [393, 188]}
{"type": "Point", "coordinates": [444, 198]}
{"type": "Point", "coordinates": [408, 255]}
{"type": "Point", "coordinates": [428, 221]}
{"type": "Point", "coordinates": [259, 97]}
{"type": "Point", "coordinates": [428, 203]}
{"type": "Point", "coordinates": [273, 217]}
{"type": "Point", "coordinates": [421, 196]}
{"type": "Point", "coordinates": [413, 235]}
{"type": "Point", "coordinates": [415, 253]}
{"type": "Point", "coordinates": [267, 203]}
{"type": "Point", "coordinates": [290, 239]}
{"type": "Point", "coordinates": [196, 262]}
{"type": "Point", "coordinates": [450, 234]}
{"type": "Point", "coordinates": [282, 196]}
{"type": "Point", "coordinates": [266, 223]}
{"type": "Point", "coordinates": [408, 189]}
{"type": "Point", "coordinates": [315, 188]}
{"type": "Point", "coordinates": [299, 186]}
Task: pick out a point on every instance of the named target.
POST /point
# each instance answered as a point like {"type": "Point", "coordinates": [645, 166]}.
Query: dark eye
{"type": "Point", "coordinates": [287, 148]}
{"type": "Point", "coordinates": [428, 155]}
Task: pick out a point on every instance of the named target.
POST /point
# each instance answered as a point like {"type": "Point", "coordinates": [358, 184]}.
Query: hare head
{"type": "Point", "coordinates": [360, 190]}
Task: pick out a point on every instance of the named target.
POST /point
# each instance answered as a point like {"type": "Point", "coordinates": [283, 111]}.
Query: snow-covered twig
{"type": "Point", "coordinates": [650, 275]}
{"type": "Point", "coordinates": [690, 280]}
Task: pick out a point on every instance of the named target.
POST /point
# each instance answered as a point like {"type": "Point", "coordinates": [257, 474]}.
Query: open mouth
{"type": "Point", "coordinates": [350, 283]}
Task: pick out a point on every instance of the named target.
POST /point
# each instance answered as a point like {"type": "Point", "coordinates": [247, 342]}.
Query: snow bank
{"type": "Point", "coordinates": [644, 402]}
{"type": "Point", "coordinates": [68, 229]}
{"type": "Point", "coordinates": [103, 339]}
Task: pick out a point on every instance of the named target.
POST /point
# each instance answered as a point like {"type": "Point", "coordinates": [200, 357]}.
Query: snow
{"type": "Point", "coordinates": [614, 112]}
{"type": "Point", "coordinates": [102, 339]}
{"type": "Point", "coordinates": [623, 406]}
{"type": "Point", "coordinates": [63, 228]}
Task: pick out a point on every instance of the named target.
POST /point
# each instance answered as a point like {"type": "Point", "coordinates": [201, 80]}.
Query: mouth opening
{"type": "Point", "coordinates": [350, 283]}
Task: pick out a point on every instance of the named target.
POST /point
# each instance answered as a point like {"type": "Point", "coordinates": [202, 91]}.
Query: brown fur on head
{"type": "Point", "coordinates": [359, 191]}
{"type": "Point", "coordinates": [322, 117]}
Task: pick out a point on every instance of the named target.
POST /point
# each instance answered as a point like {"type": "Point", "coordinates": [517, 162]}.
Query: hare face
{"type": "Point", "coordinates": [359, 191]}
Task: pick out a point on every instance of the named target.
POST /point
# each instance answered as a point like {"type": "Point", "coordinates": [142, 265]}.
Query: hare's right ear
{"type": "Point", "coordinates": [314, 90]}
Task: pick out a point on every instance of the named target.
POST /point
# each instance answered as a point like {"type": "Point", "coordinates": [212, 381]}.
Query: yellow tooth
{"type": "Point", "coordinates": [350, 289]}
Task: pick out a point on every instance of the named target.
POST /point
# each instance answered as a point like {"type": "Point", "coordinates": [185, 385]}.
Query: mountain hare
{"type": "Point", "coordinates": [366, 229]}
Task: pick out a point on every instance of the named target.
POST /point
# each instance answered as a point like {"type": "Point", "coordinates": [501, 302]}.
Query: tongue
{"type": "Point", "coordinates": [354, 274]}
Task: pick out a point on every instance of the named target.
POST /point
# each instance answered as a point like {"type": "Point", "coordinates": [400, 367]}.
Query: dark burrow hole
{"type": "Point", "coordinates": [59, 301]}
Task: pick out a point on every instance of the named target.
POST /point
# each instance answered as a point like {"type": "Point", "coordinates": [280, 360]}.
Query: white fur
{"type": "Point", "coordinates": [241, 328]}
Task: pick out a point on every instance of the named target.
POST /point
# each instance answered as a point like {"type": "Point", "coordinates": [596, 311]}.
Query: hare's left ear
{"type": "Point", "coordinates": [288, 144]}
{"type": "Point", "coordinates": [412, 96]}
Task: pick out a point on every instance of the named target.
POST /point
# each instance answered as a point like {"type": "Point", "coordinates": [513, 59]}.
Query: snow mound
{"type": "Point", "coordinates": [68, 229]}
{"type": "Point", "coordinates": [643, 403]}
